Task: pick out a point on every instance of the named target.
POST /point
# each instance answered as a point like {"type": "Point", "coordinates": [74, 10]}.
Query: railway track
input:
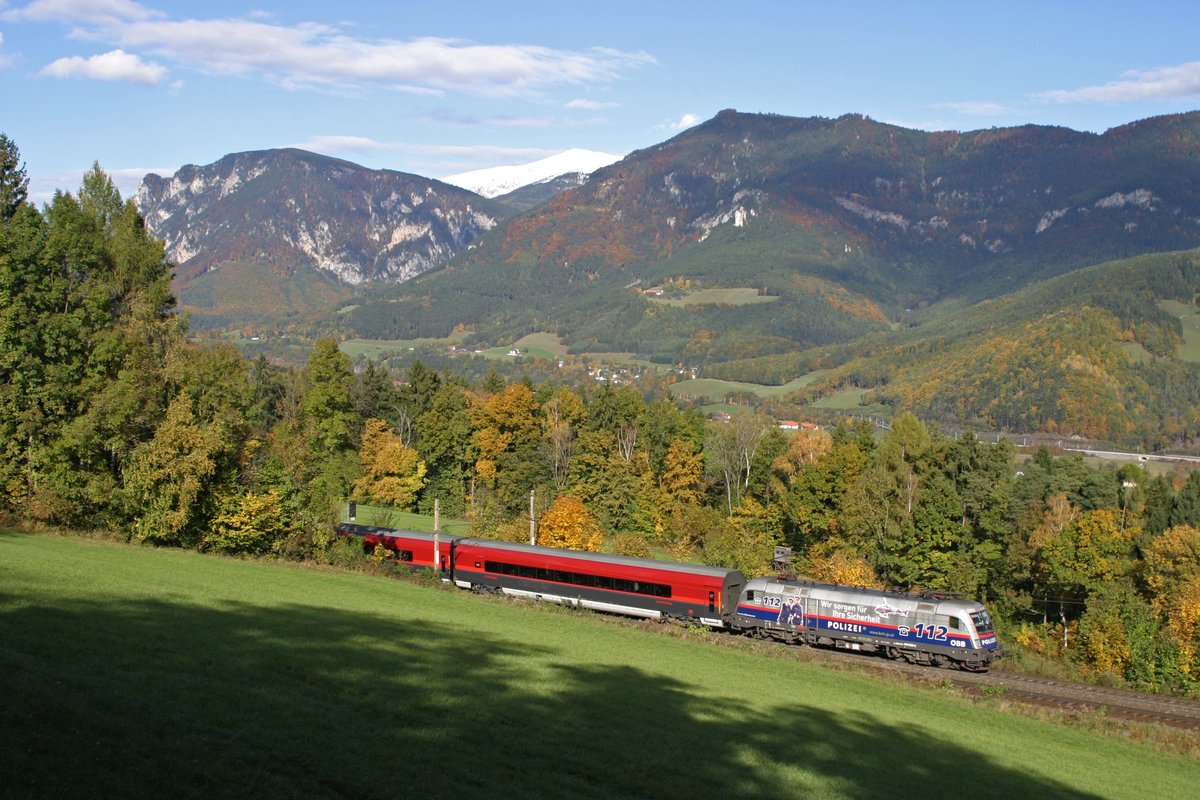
{"type": "Point", "coordinates": [1174, 712]}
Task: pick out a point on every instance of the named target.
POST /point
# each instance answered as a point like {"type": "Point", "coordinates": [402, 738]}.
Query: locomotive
{"type": "Point", "coordinates": [922, 628]}
{"type": "Point", "coordinates": [928, 628]}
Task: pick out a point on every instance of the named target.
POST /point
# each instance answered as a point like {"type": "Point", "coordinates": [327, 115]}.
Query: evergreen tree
{"type": "Point", "coordinates": [443, 439]}
{"type": "Point", "coordinates": [1185, 510]}
{"type": "Point", "coordinates": [1156, 512]}
{"type": "Point", "coordinates": [14, 184]}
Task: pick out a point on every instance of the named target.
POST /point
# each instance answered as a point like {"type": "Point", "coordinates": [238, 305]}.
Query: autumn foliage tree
{"type": "Point", "coordinates": [392, 474]}
{"type": "Point", "coordinates": [568, 523]}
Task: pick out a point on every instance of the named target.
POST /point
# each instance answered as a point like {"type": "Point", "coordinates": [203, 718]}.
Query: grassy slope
{"type": "Point", "coordinates": [715, 389]}
{"type": "Point", "coordinates": [133, 672]}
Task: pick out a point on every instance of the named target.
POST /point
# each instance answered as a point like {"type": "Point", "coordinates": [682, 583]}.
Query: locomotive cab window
{"type": "Point", "coordinates": [983, 621]}
{"type": "Point", "coordinates": [955, 624]}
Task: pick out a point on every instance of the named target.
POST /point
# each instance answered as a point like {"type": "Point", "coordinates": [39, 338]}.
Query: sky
{"type": "Point", "coordinates": [439, 87]}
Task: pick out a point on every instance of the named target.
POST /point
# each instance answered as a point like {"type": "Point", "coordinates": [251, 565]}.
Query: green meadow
{"type": "Point", "coordinates": [715, 389]}
{"type": "Point", "coordinates": [378, 349]}
{"type": "Point", "coordinates": [134, 672]}
{"type": "Point", "coordinates": [730, 297]}
{"type": "Point", "coordinates": [1189, 320]}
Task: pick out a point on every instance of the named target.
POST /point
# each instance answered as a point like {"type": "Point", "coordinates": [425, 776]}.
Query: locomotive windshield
{"type": "Point", "coordinates": [983, 621]}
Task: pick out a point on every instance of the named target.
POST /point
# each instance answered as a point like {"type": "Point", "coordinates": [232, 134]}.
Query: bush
{"type": "Point", "coordinates": [632, 544]}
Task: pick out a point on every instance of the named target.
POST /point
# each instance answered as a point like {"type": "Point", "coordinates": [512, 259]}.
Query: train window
{"type": "Point", "coordinates": [955, 624]}
{"type": "Point", "coordinates": [983, 621]}
{"type": "Point", "coordinates": [578, 579]}
{"type": "Point", "coordinates": [750, 595]}
{"type": "Point", "coordinates": [712, 601]}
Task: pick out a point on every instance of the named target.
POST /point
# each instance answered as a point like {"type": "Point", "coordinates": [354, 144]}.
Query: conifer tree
{"type": "Point", "coordinates": [14, 184]}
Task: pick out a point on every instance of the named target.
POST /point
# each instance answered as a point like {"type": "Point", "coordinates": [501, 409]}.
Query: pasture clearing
{"type": "Point", "coordinates": [137, 672]}
{"type": "Point", "coordinates": [705, 297]}
{"type": "Point", "coordinates": [379, 349]}
{"type": "Point", "coordinates": [532, 345]}
{"type": "Point", "coordinates": [1189, 320]}
{"type": "Point", "coordinates": [715, 390]}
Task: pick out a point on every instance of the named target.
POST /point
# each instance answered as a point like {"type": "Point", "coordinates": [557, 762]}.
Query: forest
{"type": "Point", "coordinates": [113, 419]}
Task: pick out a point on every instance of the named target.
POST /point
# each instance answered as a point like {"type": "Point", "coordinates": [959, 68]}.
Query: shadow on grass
{"type": "Point", "coordinates": [172, 700]}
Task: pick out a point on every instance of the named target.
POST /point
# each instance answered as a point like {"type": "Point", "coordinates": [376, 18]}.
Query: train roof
{"type": "Point", "coordinates": [364, 530]}
{"type": "Point", "coordinates": [603, 558]}
{"type": "Point", "coordinates": [927, 596]}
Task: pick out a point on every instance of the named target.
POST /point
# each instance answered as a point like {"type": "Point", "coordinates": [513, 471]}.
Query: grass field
{"type": "Point", "coordinates": [729, 297]}
{"type": "Point", "coordinates": [378, 349]}
{"type": "Point", "coordinates": [132, 672]}
{"type": "Point", "coordinates": [713, 389]}
{"type": "Point", "coordinates": [1189, 319]}
{"type": "Point", "coordinates": [532, 345]}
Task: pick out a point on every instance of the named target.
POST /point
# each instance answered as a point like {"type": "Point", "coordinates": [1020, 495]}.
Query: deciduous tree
{"type": "Point", "coordinates": [392, 474]}
{"type": "Point", "coordinates": [568, 523]}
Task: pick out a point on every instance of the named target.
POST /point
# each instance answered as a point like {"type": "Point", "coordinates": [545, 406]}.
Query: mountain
{"type": "Point", "coordinates": [523, 198]}
{"type": "Point", "coordinates": [837, 227]}
{"type": "Point", "coordinates": [289, 209]}
{"type": "Point", "coordinates": [496, 181]}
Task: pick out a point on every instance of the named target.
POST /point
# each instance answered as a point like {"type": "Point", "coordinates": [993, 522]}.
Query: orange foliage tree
{"type": "Point", "coordinates": [568, 523]}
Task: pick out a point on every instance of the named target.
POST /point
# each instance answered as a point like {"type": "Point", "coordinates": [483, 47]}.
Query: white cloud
{"type": "Point", "coordinates": [331, 144]}
{"type": "Point", "coordinates": [978, 108]}
{"type": "Point", "coordinates": [113, 66]}
{"type": "Point", "coordinates": [506, 121]}
{"type": "Point", "coordinates": [313, 55]}
{"type": "Point", "coordinates": [686, 121]}
{"type": "Point", "coordinates": [92, 11]}
{"type": "Point", "coordinates": [590, 105]}
{"type": "Point", "coordinates": [1145, 84]}
{"type": "Point", "coordinates": [346, 144]}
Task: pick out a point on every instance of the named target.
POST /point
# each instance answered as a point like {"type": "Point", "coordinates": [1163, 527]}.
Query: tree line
{"type": "Point", "coordinates": [112, 418]}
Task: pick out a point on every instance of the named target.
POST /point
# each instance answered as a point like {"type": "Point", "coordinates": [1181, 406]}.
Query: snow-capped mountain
{"type": "Point", "coordinates": [496, 181]}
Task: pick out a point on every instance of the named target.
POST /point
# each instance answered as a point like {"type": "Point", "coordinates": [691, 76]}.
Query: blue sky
{"type": "Point", "coordinates": [445, 86]}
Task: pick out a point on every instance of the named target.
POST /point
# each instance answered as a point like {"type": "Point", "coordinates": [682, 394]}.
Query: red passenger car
{"type": "Point", "coordinates": [635, 587]}
{"type": "Point", "coordinates": [412, 548]}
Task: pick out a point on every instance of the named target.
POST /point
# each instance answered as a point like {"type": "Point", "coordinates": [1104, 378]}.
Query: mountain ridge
{"type": "Point", "coordinates": [828, 215]}
{"type": "Point", "coordinates": [288, 207]}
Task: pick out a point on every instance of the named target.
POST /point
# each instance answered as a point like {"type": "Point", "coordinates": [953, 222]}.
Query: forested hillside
{"type": "Point", "coordinates": [111, 418]}
{"type": "Point", "coordinates": [1099, 352]}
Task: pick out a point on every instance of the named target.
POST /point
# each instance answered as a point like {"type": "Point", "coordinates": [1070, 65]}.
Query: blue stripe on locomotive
{"type": "Point", "coordinates": [838, 625]}
{"type": "Point", "coordinates": [758, 612]}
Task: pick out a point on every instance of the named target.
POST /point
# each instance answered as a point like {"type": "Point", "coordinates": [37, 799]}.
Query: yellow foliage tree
{"type": "Point", "coordinates": [804, 448]}
{"type": "Point", "coordinates": [250, 523]}
{"type": "Point", "coordinates": [1183, 625]}
{"type": "Point", "coordinates": [392, 474]}
{"type": "Point", "coordinates": [568, 523]}
{"type": "Point", "coordinates": [682, 481]}
{"type": "Point", "coordinates": [843, 567]}
{"type": "Point", "coordinates": [1172, 559]}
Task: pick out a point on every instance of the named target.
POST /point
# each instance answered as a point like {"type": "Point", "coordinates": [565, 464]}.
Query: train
{"type": "Point", "coordinates": [927, 628]}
